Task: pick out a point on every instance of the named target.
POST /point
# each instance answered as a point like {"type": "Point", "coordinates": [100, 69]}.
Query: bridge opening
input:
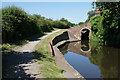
{"type": "Point", "coordinates": [85, 34]}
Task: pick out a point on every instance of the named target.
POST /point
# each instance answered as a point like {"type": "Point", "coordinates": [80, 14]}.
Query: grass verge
{"type": "Point", "coordinates": [42, 55]}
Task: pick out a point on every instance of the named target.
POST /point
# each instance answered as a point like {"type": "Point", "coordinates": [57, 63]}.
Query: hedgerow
{"type": "Point", "coordinates": [17, 24]}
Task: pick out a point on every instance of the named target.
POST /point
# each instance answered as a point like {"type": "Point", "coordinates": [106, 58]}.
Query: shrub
{"type": "Point", "coordinates": [97, 28]}
{"type": "Point", "coordinates": [17, 24]}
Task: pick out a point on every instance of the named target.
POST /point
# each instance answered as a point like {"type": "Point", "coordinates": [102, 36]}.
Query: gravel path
{"type": "Point", "coordinates": [21, 64]}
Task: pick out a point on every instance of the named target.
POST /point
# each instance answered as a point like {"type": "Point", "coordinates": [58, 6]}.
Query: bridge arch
{"type": "Point", "coordinates": [85, 33]}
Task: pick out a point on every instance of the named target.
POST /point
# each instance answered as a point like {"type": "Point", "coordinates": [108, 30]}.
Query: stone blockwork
{"type": "Point", "coordinates": [59, 38]}
{"type": "Point", "coordinates": [76, 31]}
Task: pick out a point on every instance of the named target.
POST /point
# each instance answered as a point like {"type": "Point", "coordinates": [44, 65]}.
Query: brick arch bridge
{"type": "Point", "coordinates": [79, 32]}
{"type": "Point", "coordinates": [72, 34]}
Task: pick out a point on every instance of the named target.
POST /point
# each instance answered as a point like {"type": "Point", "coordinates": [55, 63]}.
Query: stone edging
{"type": "Point", "coordinates": [61, 62]}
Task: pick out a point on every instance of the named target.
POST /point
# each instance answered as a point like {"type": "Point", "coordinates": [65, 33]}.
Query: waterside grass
{"type": "Point", "coordinates": [42, 55]}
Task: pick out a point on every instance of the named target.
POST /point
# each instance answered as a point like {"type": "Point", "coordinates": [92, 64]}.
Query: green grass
{"type": "Point", "coordinates": [7, 46]}
{"type": "Point", "coordinates": [42, 55]}
{"type": "Point", "coordinates": [50, 70]}
{"type": "Point", "coordinates": [54, 29]}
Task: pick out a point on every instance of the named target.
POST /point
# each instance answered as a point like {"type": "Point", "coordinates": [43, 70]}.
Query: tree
{"type": "Point", "coordinates": [111, 17]}
{"type": "Point", "coordinates": [80, 23]}
{"type": "Point", "coordinates": [90, 14]}
{"type": "Point", "coordinates": [69, 24]}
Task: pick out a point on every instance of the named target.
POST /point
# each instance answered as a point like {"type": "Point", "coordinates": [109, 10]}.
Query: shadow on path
{"type": "Point", "coordinates": [12, 67]}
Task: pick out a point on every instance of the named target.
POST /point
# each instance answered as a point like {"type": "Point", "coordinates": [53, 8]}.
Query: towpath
{"type": "Point", "coordinates": [21, 64]}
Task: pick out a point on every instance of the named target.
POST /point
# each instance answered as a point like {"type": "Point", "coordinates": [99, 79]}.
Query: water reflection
{"type": "Point", "coordinates": [85, 45]}
{"type": "Point", "coordinates": [82, 48]}
{"type": "Point", "coordinates": [91, 59]}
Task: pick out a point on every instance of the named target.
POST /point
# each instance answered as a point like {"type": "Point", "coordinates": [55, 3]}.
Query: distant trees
{"type": "Point", "coordinates": [17, 24]}
{"type": "Point", "coordinates": [63, 23]}
{"type": "Point", "coordinates": [67, 22]}
{"type": "Point", "coordinates": [81, 23]}
{"type": "Point", "coordinates": [60, 24]}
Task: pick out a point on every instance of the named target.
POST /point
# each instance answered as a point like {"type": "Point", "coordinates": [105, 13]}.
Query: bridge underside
{"type": "Point", "coordinates": [85, 34]}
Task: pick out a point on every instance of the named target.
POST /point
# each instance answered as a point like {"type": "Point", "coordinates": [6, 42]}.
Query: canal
{"type": "Point", "coordinates": [92, 59]}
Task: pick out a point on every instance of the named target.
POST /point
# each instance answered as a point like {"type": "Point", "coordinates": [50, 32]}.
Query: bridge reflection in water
{"type": "Point", "coordinates": [79, 47]}
{"type": "Point", "coordinates": [91, 59]}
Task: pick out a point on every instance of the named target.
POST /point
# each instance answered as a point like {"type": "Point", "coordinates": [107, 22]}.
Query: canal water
{"type": "Point", "coordinates": [92, 59]}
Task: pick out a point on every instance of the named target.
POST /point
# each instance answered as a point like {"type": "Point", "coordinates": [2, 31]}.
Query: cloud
{"type": "Point", "coordinates": [70, 18]}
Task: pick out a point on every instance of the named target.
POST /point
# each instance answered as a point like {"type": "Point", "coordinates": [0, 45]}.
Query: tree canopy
{"type": "Point", "coordinates": [110, 15]}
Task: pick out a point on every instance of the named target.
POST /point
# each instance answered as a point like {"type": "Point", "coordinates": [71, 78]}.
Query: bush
{"type": "Point", "coordinates": [12, 17]}
{"type": "Point", "coordinates": [97, 28]}
{"type": "Point", "coordinates": [47, 25]}
{"type": "Point", "coordinates": [18, 25]}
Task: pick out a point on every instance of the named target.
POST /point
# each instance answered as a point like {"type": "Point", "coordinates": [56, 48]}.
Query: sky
{"type": "Point", "coordinates": [74, 12]}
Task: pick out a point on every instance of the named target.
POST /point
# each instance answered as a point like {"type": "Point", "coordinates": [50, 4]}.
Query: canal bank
{"type": "Point", "coordinates": [69, 71]}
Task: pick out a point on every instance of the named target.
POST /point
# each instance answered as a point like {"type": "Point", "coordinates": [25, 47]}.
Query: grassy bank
{"type": "Point", "coordinates": [42, 55]}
